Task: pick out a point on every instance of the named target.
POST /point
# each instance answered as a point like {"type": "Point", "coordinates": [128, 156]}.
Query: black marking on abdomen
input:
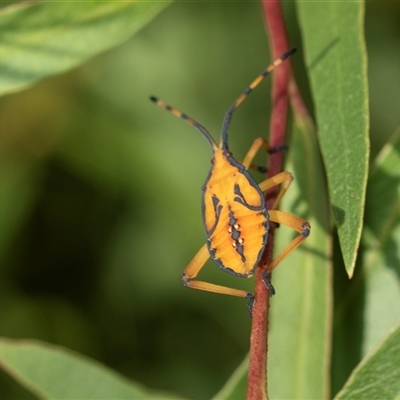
{"type": "Point", "coordinates": [217, 213]}
{"type": "Point", "coordinates": [234, 230]}
{"type": "Point", "coordinates": [232, 219]}
{"type": "Point", "coordinates": [235, 234]}
{"type": "Point", "coordinates": [240, 250]}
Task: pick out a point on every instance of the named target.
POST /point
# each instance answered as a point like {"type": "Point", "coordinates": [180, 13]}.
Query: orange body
{"type": "Point", "coordinates": [235, 216]}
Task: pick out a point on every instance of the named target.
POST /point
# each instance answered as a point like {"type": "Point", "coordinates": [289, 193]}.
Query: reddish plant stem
{"type": "Point", "coordinates": [279, 43]}
{"type": "Point", "coordinates": [275, 25]}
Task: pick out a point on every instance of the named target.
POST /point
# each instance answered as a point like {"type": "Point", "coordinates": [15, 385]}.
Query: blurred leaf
{"type": "Point", "coordinates": [41, 39]}
{"type": "Point", "coordinates": [300, 327]}
{"type": "Point", "coordinates": [378, 376]}
{"type": "Point", "coordinates": [18, 188]}
{"type": "Point", "coordinates": [235, 387]}
{"type": "Point", "coordinates": [381, 239]}
{"type": "Point", "coordinates": [39, 367]}
{"type": "Point", "coordinates": [336, 60]}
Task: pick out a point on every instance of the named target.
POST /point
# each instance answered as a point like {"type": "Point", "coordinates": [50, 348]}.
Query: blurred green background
{"type": "Point", "coordinates": [100, 191]}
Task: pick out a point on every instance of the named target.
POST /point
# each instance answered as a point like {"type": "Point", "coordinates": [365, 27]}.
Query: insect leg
{"type": "Point", "coordinates": [254, 148]}
{"type": "Point", "coordinates": [298, 224]}
{"type": "Point", "coordinates": [283, 177]}
{"type": "Point", "coordinates": [266, 276]}
{"type": "Point", "coordinates": [194, 267]}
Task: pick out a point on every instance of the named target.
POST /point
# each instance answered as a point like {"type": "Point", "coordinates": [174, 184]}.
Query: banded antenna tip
{"type": "Point", "coordinates": [153, 99]}
{"type": "Point", "coordinates": [288, 53]}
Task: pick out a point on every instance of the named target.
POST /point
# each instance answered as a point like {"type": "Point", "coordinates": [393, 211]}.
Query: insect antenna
{"type": "Point", "coordinates": [249, 89]}
{"type": "Point", "coordinates": [186, 118]}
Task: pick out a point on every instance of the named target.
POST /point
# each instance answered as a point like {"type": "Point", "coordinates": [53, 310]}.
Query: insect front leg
{"type": "Point", "coordinates": [194, 267]}
{"type": "Point", "coordinates": [255, 148]}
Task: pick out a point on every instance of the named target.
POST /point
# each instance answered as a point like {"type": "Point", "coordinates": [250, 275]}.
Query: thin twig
{"type": "Point", "coordinates": [275, 25]}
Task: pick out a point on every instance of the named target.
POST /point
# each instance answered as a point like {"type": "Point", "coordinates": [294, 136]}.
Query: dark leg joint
{"type": "Point", "coordinates": [250, 304]}
{"type": "Point", "coordinates": [279, 148]}
{"type": "Point", "coordinates": [305, 229]}
{"type": "Point", "coordinates": [267, 282]}
{"type": "Point", "coordinates": [185, 279]}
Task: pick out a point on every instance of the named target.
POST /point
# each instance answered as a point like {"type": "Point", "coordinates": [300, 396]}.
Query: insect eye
{"type": "Point", "coordinates": [212, 161]}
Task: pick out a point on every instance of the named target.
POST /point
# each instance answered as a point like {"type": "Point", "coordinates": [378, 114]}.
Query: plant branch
{"type": "Point", "coordinates": [275, 25]}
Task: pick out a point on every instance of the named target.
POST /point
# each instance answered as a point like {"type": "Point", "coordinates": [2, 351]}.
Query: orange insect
{"type": "Point", "coordinates": [235, 216]}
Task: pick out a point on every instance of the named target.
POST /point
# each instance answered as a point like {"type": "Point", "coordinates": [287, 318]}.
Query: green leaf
{"type": "Point", "coordinates": [380, 240]}
{"type": "Point", "coordinates": [336, 60]}
{"type": "Point", "coordinates": [377, 376]}
{"type": "Point", "coordinates": [40, 39]}
{"type": "Point", "coordinates": [235, 387]}
{"type": "Point", "coordinates": [51, 372]}
{"type": "Point", "coordinates": [300, 326]}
